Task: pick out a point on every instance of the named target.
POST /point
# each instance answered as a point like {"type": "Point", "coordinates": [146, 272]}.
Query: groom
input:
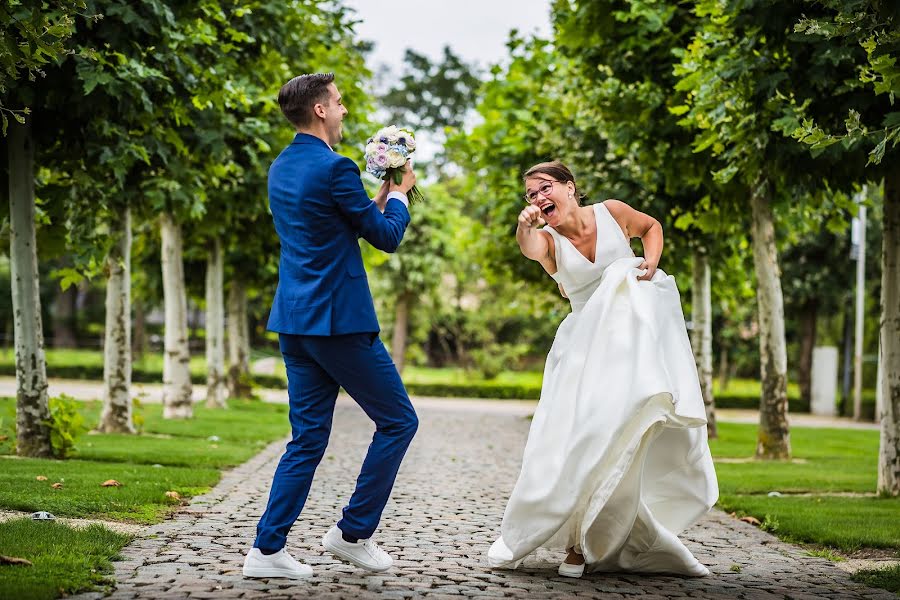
{"type": "Point", "coordinates": [328, 331]}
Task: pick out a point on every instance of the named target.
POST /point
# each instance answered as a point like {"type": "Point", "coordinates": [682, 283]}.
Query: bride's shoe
{"type": "Point", "coordinates": [567, 569]}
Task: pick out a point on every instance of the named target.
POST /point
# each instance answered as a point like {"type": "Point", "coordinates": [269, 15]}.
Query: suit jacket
{"type": "Point", "coordinates": [320, 210]}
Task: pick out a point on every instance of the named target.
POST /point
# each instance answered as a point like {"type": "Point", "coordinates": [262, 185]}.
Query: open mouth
{"type": "Point", "coordinates": [548, 209]}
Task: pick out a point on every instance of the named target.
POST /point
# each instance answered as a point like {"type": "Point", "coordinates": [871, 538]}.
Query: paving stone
{"type": "Point", "coordinates": [444, 514]}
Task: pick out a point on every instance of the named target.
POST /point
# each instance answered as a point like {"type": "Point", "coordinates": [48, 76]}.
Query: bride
{"type": "Point", "coordinates": [617, 462]}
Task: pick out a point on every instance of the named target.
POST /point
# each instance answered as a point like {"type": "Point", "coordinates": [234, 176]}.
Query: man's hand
{"type": "Point", "coordinates": [409, 180]}
{"type": "Point", "coordinates": [530, 217]}
{"type": "Point", "coordinates": [650, 268]}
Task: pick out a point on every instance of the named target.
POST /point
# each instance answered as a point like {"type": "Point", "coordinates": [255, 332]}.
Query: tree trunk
{"type": "Point", "coordinates": [774, 441]}
{"type": "Point", "coordinates": [116, 415]}
{"type": "Point", "coordinates": [215, 327]}
{"type": "Point", "coordinates": [238, 342]}
{"type": "Point", "coordinates": [846, 363]}
{"type": "Point", "coordinates": [701, 334]}
{"type": "Point", "coordinates": [808, 319]}
{"type": "Point", "coordinates": [889, 453]}
{"type": "Point", "coordinates": [64, 335]}
{"type": "Point", "coordinates": [724, 367]}
{"type": "Point", "coordinates": [401, 330]}
{"type": "Point", "coordinates": [139, 337]}
{"type": "Point", "coordinates": [32, 409]}
{"type": "Point", "coordinates": [176, 362]}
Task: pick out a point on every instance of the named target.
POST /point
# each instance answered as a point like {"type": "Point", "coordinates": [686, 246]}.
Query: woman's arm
{"type": "Point", "coordinates": [636, 224]}
{"type": "Point", "coordinates": [535, 244]}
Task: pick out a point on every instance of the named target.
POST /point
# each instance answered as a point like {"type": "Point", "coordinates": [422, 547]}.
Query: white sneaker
{"type": "Point", "coordinates": [280, 564]}
{"type": "Point", "coordinates": [364, 554]}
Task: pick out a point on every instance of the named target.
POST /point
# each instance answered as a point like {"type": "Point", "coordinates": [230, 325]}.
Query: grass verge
{"type": "Point", "coordinates": [184, 456]}
{"type": "Point", "coordinates": [64, 559]}
{"type": "Point", "coordinates": [887, 578]}
{"type": "Point", "coordinates": [825, 495]}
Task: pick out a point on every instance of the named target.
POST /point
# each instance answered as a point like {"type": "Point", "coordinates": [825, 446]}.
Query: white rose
{"type": "Point", "coordinates": [395, 159]}
{"type": "Point", "coordinates": [371, 148]}
{"type": "Point", "coordinates": [393, 134]}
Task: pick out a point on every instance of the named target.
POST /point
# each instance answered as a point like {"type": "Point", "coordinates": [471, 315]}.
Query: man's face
{"type": "Point", "coordinates": [334, 115]}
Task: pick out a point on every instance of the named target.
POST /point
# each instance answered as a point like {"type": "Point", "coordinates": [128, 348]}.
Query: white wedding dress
{"type": "Point", "coordinates": [617, 462]}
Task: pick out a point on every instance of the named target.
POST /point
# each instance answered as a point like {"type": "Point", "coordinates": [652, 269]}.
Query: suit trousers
{"type": "Point", "coordinates": [317, 366]}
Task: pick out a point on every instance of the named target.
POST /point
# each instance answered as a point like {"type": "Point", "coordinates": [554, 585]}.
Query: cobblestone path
{"type": "Point", "coordinates": [443, 515]}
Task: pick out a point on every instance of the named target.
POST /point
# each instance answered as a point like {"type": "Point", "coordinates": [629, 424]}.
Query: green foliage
{"type": "Point", "coordinates": [432, 95]}
{"type": "Point", "coordinates": [137, 414]}
{"type": "Point", "coordinates": [493, 358]}
{"type": "Point", "coordinates": [65, 559]}
{"type": "Point", "coordinates": [516, 132]}
{"type": "Point", "coordinates": [433, 98]}
{"type": "Point", "coordinates": [867, 32]}
{"type": "Point", "coordinates": [33, 37]}
{"type": "Point", "coordinates": [66, 424]}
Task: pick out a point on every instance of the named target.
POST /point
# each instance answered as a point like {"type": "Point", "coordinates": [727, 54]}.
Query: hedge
{"type": "Point", "coordinates": [486, 389]}
{"type": "Point", "coordinates": [137, 375]}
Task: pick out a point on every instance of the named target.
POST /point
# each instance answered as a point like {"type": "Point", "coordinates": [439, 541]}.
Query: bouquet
{"type": "Point", "coordinates": [386, 154]}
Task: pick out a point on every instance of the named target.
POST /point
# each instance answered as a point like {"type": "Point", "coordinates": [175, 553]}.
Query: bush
{"type": "Point", "coordinates": [495, 358]}
{"type": "Point", "coordinates": [66, 424]}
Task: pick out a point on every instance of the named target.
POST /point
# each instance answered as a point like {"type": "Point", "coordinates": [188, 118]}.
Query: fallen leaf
{"type": "Point", "coordinates": [3, 438]}
{"type": "Point", "coordinates": [174, 495]}
{"type": "Point", "coordinates": [56, 486]}
{"type": "Point", "coordinates": [14, 560]}
{"type": "Point", "coordinates": [751, 520]}
{"type": "Point", "coordinates": [110, 483]}
{"type": "Point", "coordinates": [41, 478]}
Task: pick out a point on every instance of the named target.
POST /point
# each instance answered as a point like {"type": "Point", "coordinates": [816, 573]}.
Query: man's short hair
{"type": "Point", "coordinates": [299, 95]}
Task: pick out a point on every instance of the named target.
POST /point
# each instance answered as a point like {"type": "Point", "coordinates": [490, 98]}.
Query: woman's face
{"type": "Point", "coordinates": [555, 198]}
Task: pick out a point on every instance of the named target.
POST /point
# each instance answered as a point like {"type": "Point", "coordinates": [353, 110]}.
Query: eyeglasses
{"type": "Point", "coordinates": [544, 190]}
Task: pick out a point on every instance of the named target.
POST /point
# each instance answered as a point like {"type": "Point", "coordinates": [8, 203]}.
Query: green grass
{"type": "Point", "coordinates": [847, 524]}
{"type": "Point", "coordinates": [168, 456]}
{"type": "Point", "coordinates": [188, 462]}
{"type": "Point", "coordinates": [887, 578]}
{"type": "Point", "coordinates": [825, 462]}
{"type": "Point", "coordinates": [64, 559]}
{"type": "Point", "coordinates": [141, 498]}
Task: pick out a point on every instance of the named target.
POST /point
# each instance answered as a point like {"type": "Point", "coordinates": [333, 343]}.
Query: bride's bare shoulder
{"type": "Point", "coordinates": [615, 207]}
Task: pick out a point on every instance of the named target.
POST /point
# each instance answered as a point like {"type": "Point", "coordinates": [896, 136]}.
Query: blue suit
{"type": "Point", "coordinates": [328, 332]}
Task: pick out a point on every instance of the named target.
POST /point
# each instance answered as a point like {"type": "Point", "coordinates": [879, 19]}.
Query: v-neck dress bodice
{"type": "Point", "coordinates": [579, 276]}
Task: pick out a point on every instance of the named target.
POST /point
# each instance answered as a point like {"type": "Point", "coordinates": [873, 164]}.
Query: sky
{"type": "Point", "coordinates": [476, 30]}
